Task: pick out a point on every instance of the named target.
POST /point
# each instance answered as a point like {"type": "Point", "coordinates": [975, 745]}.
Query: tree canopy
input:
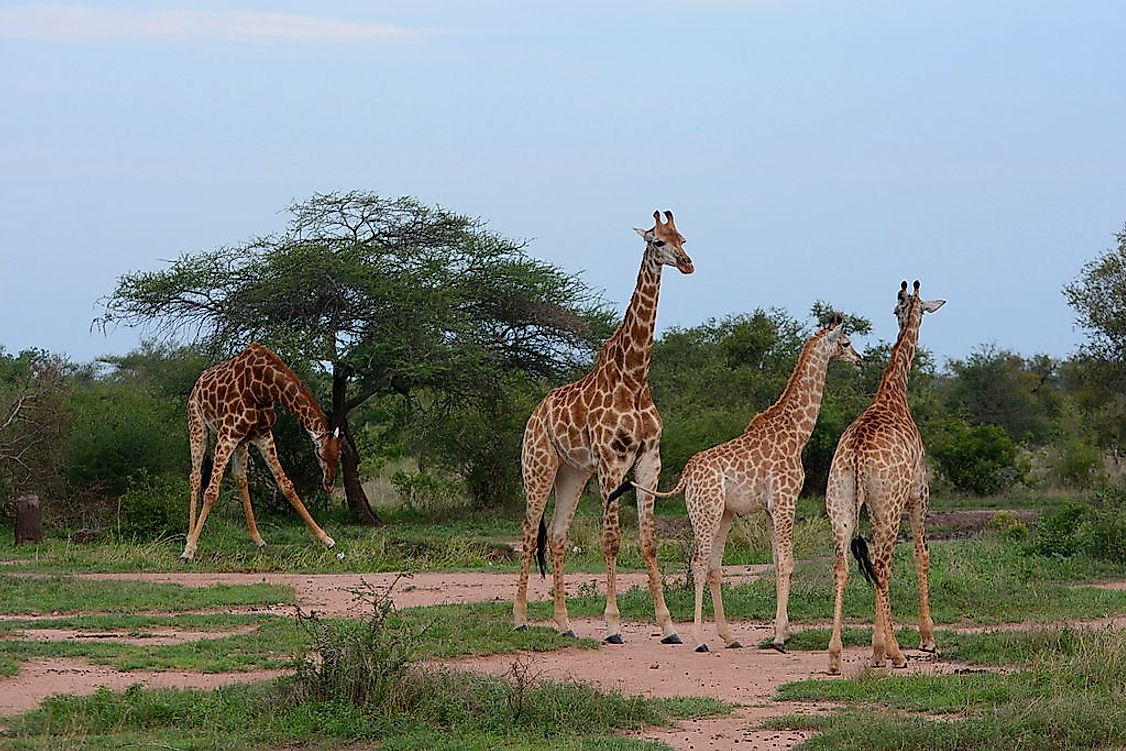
{"type": "Point", "coordinates": [381, 294]}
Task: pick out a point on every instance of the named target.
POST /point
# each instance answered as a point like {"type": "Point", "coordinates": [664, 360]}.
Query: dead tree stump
{"type": "Point", "coordinates": [29, 519]}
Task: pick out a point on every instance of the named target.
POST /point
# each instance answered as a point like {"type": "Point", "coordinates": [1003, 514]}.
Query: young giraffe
{"type": "Point", "coordinates": [605, 422]}
{"type": "Point", "coordinates": [760, 470]}
{"type": "Point", "coordinates": [235, 400]}
{"type": "Point", "coordinates": [880, 463]}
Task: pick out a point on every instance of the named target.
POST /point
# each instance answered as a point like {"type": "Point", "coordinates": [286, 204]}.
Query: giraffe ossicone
{"type": "Point", "coordinates": [604, 423]}
{"type": "Point", "coordinates": [235, 400]}
{"type": "Point", "coordinates": [880, 464]}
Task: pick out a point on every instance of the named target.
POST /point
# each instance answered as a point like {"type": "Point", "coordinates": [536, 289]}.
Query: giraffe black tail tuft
{"type": "Point", "coordinates": [541, 547]}
{"type": "Point", "coordinates": [863, 559]}
{"type": "Point", "coordinates": [619, 491]}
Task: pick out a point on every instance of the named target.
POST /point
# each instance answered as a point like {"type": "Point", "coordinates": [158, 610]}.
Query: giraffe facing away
{"type": "Point", "coordinates": [605, 422]}
{"type": "Point", "coordinates": [235, 400]}
{"type": "Point", "coordinates": [880, 463]}
{"type": "Point", "coordinates": [761, 470]}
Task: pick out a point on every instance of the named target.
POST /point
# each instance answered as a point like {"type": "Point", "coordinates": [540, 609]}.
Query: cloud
{"type": "Point", "coordinates": [84, 24]}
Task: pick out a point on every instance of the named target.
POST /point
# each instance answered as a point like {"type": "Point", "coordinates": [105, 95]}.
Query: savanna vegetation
{"type": "Point", "coordinates": [429, 338]}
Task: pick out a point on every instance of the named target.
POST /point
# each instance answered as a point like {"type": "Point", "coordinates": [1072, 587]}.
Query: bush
{"type": "Point", "coordinates": [425, 491]}
{"type": "Point", "coordinates": [153, 506]}
{"type": "Point", "coordinates": [118, 430]}
{"type": "Point", "coordinates": [979, 459]}
{"type": "Point", "coordinates": [1079, 528]}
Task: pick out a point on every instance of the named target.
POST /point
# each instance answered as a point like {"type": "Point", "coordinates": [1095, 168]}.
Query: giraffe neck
{"type": "Point", "coordinates": [801, 399]}
{"type": "Point", "coordinates": [630, 348]}
{"type": "Point", "coordinates": [893, 387]}
{"type": "Point", "coordinates": [284, 387]}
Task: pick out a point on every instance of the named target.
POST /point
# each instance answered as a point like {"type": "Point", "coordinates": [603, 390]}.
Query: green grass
{"type": "Point", "coordinates": [450, 631]}
{"type": "Point", "coordinates": [982, 581]}
{"type": "Point", "coordinates": [31, 595]}
{"type": "Point", "coordinates": [1068, 693]}
{"type": "Point", "coordinates": [429, 710]}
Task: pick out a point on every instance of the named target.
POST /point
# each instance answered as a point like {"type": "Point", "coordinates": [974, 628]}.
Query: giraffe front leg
{"type": "Point", "coordinates": [269, 452]}
{"type": "Point", "coordinates": [239, 464]}
{"type": "Point", "coordinates": [647, 473]}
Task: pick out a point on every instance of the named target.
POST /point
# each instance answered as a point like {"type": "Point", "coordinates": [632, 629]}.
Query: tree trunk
{"type": "Point", "coordinates": [29, 520]}
{"type": "Point", "coordinates": [349, 458]}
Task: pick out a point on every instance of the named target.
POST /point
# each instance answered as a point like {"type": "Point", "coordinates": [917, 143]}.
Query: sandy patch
{"type": "Point", "coordinates": [145, 637]}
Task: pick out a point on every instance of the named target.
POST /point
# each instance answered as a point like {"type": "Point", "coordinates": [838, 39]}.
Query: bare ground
{"type": "Point", "coordinates": [747, 677]}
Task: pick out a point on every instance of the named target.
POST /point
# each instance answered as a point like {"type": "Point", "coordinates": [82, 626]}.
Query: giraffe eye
{"type": "Point", "coordinates": [659, 243]}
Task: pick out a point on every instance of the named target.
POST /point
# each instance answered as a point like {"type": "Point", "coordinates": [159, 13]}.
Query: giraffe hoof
{"type": "Point", "coordinates": [777, 646]}
{"type": "Point", "coordinates": [187, 555]}
{"type": "Point", "coordinates": [930, 649]}
{"type": "Point", "coordinates": [569, 634]}
{"type": "Point", "coordinates": [260, 544]}
{"type": "Point", "coordinates": [329, 542]}
{"type": "Point", "coordinates": [672, 639]}
{"type": "Point", "coordinates": [614, 639]}
{"type": "Point", "coordinates": [521, 627]}
{"type": "Point", "coordinates": [734, 644]}
{"type": "Point", "coordinates": [899, 665]}
{"type": "Point", "coordinates": [702, 648]}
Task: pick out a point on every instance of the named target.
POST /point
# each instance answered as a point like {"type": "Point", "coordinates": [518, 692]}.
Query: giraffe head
{"type": "Point", "coordinates": [840, 347]}
{"type": "Point", "coordinates": [329, 446]}
{"type": "Point", "coordinates": [665, 245]}
{"type": "Point", "coordinates": [910, 307]}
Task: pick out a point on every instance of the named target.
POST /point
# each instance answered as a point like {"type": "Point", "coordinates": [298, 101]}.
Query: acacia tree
{"type": "Point", "coordinates": [381, 295]}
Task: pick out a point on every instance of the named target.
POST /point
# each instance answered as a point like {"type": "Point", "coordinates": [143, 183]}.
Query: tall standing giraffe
{"type": "Point", "coordinates": [880, 463]}
{"type": "Point", "coordinates": [606, 422]}
{"type": "Point", "coordinates": [235, 400]}
{"type": "Point", "coordinates": [761, 470]}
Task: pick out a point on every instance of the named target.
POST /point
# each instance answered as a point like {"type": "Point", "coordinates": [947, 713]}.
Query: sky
{"type": "Point", "coordinates": [809, 149]}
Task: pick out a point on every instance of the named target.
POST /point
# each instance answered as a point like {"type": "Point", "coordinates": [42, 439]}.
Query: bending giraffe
{"type": "Point", "coordinates": [880, 464]}
{"type": "Point", "coordinates": [760, 470]}
{"type": "Point", "coordinates": [235, 401]}
{"type": "Point", "coordinates": [605, 422]}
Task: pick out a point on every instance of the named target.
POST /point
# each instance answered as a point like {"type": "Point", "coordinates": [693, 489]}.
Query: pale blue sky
{"type": "Point", "coordinates": [809, 149]}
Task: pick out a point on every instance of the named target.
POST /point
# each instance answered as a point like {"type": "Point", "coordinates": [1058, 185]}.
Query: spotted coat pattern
{"type": "Point", "coordinates": [235, 401]}
{"type": "Point", "coordinates": [604, 423]}
{"type": "Point", "coordinates": [880, 464]}
{"type": "Point", "coordinates": [761, 470]}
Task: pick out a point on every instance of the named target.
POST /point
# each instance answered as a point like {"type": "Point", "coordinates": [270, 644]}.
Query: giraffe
{"type": "Point", "coordinates": [761, 470]}
{"type": "Point", "coordinates": [235, 400]}
{"type": "Point", "coordinates": [605, 422]}
{"type": "Point", "coordinates": [880, 463]}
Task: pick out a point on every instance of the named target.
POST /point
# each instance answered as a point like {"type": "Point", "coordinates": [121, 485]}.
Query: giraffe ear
{"type": "Point", "coordinates": [336, 433]}
{"type": "Point", "coordinates": [930, 306]}
{"type": "Point", "coordinates": [643, 232]}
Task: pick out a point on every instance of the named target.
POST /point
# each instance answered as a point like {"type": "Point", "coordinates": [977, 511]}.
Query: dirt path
{"type": "Point", "coordinates": [748, 677]}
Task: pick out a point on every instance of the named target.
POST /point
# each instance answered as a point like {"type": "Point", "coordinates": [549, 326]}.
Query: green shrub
{"type": "Point", "coordinates": [1081, 529]}
{"type": "Point", "coordinates": [117, 430]}
{"type": "Point", "coordinates": [152, 506]}
{"type": "Point", "coordinates": [420, 490]}
{"type": "Point", "coordinates": [981, 459]}
{"type": "Point", "coordinates": [1079, 464]}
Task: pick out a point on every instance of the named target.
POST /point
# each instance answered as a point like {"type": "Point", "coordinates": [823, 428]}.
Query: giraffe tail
{"type": "Point", "coordinates": [859, 544]}
{"type": "Point", "coordinates": [541, 547]}
{"type": "Point", "coordinates": [863, 559]}
{"type": "Point", "coordinates": [627, 484]}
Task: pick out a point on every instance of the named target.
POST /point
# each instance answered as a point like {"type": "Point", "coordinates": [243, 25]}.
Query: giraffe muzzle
{"type": "Point", "coordinates": [684, 265]}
